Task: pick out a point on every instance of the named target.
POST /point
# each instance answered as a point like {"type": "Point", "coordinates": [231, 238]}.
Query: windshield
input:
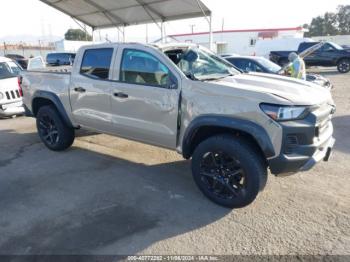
{"type": "Point", "coordinates": [202, 64]}
{"type": "Point", "coordinates": [270, 66]}
{"type": "Point", "coordinates": [336, 46]}
{"type": "Point", "coordinates": [9, 69]}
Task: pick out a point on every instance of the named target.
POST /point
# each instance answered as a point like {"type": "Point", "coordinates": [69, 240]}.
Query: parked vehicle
{"type": "Point", "coordinates": [183, 97]}
{"type": "Point", "coordinates": [10, 93]}
{"type": "Point", "coordinates": [330, 54]}
{"type": "Point", "coordinates": [60, 59]}
{"type": "Point", "coordinates": [21, 60]}
{"type": "Point", "coordinates": [256, 64]}
{"type": "Point", "coordinates": [264, 47]}
{"type": "Point", "coordinates": [229, 55]}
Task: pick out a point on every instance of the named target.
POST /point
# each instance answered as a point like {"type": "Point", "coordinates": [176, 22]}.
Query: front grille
{"type": "Point", "coordinates": [324, 116]}
{"type": "Point", "coordinates": [12, 95]}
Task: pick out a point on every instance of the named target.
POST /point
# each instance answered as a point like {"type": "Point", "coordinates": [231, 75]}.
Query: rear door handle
{"type": "Point", "coordinates": [121, 95]}
{"type": "Point", "coordinates": [80, 90]}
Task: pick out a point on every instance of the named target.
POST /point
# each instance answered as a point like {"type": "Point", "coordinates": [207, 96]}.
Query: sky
{"type": "Point", "coordinates": [31, 19]}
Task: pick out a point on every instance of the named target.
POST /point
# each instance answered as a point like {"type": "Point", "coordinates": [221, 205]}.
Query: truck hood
{"type": "Point", "coordinates": [8, 84]}
{"type": "Point", "coordinates": [298, 92]}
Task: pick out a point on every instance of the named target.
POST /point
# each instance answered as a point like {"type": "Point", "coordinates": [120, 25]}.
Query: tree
{"type": "Point", "coordinates": [343, 18]}
{"type": "Point", "coordinates": [330, 23]}
{"type": "Point", "coordinates": [323, 25]}
{"type": "Point", "coordinates": [77, 35]}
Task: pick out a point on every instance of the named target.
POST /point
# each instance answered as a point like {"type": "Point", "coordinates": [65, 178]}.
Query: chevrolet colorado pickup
{"type": "Point", "coordinates": [329, 55]}
{"type": "Point", "coordinates": [183, 97]}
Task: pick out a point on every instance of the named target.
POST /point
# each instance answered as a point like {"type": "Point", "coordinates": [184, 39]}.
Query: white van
{"type": "Point", "coordinates": [10, 92]}
{"type": "Point", "coordinates": [265, 46]}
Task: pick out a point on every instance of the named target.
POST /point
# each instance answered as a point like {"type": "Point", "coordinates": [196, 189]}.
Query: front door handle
{"type": "Point", "coordinates": [121, 95]}
{"type": "Point", "coordinates": [80, 90]}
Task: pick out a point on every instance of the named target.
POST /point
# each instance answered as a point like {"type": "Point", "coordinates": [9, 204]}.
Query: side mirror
{"type": "Point", "coordinates": [247, 70]}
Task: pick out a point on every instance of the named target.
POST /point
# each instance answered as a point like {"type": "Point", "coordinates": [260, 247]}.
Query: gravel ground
{"type": "Point", "coordinates": [111, 196]}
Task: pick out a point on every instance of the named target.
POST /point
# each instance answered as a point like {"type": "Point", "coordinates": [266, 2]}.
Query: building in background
{"type": "Point", "coordinates": [239, 41]}
{"type": "Point", "coordinates": [338, 39]}
{"type": "Point", "coordinates": [26, 50]}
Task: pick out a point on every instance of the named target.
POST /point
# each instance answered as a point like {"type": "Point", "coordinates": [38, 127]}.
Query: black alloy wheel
{"type": "Point", "coordinates": [344, 66]}
{"type": "Point", "coordinates": [222, 174]}
{"type": "Point", "coordinates": [48, 130]}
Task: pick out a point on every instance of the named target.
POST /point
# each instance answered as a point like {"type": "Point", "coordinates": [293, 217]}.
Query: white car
{"type": "Point", "coordinates": [10, 92]}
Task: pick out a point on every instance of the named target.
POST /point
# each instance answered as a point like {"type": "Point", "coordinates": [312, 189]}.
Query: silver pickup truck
{"type": "Point", "coordinates": [183, 97]}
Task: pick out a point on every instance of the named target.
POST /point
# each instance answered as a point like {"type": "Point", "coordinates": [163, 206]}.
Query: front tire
{"type": "Point", "coordinates": [228, 171]}
{"type": "Point", "coordinates": [52, 130]}
{"type": "Point", "coordinates": [344, 66]}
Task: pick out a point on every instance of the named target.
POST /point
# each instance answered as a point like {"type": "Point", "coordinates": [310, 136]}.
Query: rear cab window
{"type": "Point", "coordinates": [96, 63]}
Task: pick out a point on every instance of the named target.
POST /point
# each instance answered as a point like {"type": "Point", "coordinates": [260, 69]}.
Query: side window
{"type": "Point", "coordinates": [255, 67]}
{"type": "Point", "coordinates": [237, 63]}
{"type": "Point", "coordinates": [328, 48]}
{"type": "Point", "coordinates": [97, 63]}
{"type": "Point", "coordinates": [139, 67]}
{"type": "Point", "coordinates": [243, 64]}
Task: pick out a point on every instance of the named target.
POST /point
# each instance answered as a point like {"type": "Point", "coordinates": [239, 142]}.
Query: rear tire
{"type": "Point", "coordinates": [344, 66]}
{"type": "Point", "coordinates": [228, 171]}
{"type": "Point", "coordinates": [52, 130]}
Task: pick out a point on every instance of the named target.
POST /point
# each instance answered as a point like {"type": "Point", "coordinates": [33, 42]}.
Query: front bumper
{"type": "Point", "coordinates": [322, 153]}
{"type": "Point", "coordinates": [304, 144]}
{"type": "Point", "coordinates": [285, 165]}
{"type": "Point", "coordinates": [11, 111]}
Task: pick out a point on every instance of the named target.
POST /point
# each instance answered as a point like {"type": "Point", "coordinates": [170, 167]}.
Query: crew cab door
{"type": "Point", "coordinates": [90, 89]}
{"type": "Point", "coordinates": [322, 57]}
{"type": "Point", "coordinates": [328, 55]}
{"type": "Point", "coordinates": [145, 98]}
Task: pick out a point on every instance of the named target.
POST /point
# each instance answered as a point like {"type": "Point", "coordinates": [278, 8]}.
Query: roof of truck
{"type": "Point", "coordinates": [158, 46]}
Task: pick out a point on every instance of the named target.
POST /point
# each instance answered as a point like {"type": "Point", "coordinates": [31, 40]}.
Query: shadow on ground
{"type": "Point", "coordinates": [82, 202]}
{"type": "Point", "coordinates": [341, 133]}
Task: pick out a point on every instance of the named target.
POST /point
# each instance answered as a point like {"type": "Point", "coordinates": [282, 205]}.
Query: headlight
{"type": "Point", "coordinates": [1, 96]}
{"type": "Point", "coordinates": [285, 113]}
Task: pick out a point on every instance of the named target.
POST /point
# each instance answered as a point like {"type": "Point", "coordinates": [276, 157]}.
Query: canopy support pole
{"type": "Point", "coordinates": [209, 19]}
{"type": "Point", "coordinates": [211, 41]}
{"type": "Point", "coordinates": [162, 28]}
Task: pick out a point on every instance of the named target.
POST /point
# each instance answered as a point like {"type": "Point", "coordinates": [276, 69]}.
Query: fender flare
{"type": "Point", "coordinates": [256, 131]}
{"type": "Point", "coordinates": [53, 98]}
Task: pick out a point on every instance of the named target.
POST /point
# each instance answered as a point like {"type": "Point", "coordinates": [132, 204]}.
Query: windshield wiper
{"type": "Point", "coordinates": [216, 78]}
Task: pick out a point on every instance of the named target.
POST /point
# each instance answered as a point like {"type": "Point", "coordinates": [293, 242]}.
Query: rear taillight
{"type": "Point", "coordinates": [19, 79]}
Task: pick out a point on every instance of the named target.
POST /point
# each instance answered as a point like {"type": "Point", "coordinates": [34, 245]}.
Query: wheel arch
{"type": "Point", "coordinates": [45, 98]}
{"type": "Point", "coordinates": [342, 58]}
{"type": "Point", "coordinates": [207, 126]}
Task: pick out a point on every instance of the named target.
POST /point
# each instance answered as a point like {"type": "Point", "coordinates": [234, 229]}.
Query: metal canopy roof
{"type": "Point", "coordinates": [113, 13]}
